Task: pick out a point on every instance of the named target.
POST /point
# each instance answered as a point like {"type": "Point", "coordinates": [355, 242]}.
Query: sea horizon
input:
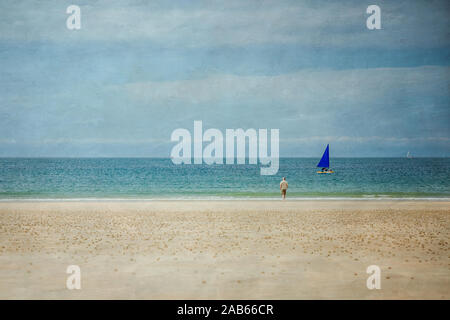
{"type": "Point", "coordinates": [153, 179]}
{"type": "Point", "coordinates": [192, 158]}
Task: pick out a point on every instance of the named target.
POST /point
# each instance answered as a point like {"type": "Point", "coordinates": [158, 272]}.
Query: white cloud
{"type": "Point", "coordinates": [387, 102]}
{"type": "Point", "coordinates": [306, 88]}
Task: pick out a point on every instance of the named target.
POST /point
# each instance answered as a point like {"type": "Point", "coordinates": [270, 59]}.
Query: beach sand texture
{"type": "Point", "coordinates": [225, 249]}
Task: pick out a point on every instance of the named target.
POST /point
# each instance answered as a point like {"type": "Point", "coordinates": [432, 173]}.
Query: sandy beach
{"type": "Point", "coordinates": [225, 249]}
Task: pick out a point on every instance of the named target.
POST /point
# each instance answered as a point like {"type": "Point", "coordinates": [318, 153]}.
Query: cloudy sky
{"type": "Point", "coordinates": [137, 70]}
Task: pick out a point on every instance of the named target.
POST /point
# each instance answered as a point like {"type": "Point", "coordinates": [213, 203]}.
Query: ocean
{"type": "Point", "coordinates": [158, 178]}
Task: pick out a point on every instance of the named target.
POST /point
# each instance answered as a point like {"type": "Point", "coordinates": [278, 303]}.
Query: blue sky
{"type": "Point", "coordinates": [137, 70]}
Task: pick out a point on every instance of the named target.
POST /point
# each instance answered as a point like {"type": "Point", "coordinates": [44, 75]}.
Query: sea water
{"type": "Point", "coordinates": [158, 178]}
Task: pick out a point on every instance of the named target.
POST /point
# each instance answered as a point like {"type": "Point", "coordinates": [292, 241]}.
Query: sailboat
{"type": "Point", "coordinates": [324, 163]}
{"type": "Point", "coordinates": [408, 155]}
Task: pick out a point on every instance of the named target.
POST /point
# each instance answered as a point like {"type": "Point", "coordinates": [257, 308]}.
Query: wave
{"type": "Point", "coordinates": [228, 198]}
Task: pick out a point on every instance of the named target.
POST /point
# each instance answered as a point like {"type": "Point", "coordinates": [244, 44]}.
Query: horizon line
{"type": "Point", "coordinates": [160, 157]}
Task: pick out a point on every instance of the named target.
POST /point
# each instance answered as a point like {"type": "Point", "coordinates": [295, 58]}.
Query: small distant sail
{"type": "Point", "coordinates": [408, 155]}
{"type": "Point", "coordinates": [325, 161]}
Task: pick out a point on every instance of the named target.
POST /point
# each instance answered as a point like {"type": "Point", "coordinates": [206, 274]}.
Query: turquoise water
{"type": "Point", "coordinates": [152, 178]}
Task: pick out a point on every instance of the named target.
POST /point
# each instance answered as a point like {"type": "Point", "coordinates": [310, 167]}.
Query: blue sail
{"type": "Point", "coordinates": [325, 161]}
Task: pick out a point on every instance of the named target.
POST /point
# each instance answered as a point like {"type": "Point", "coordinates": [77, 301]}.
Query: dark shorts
{"type": "Point", "coordinates": [283, 192]}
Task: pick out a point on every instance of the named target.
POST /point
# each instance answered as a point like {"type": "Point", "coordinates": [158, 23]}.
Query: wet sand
{"type": "Point", "coordinates": [225, 249]}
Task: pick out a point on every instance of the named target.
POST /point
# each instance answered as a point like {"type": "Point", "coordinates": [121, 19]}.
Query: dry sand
{"type": "Point", "coordinates": [225, 250]}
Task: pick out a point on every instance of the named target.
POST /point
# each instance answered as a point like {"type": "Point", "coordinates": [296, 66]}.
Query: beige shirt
{"type": "Point", "coordinates": [283, 185]}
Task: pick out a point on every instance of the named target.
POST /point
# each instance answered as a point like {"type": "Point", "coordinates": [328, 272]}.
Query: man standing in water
{"type": "Point", "coordinates": [283, 188]}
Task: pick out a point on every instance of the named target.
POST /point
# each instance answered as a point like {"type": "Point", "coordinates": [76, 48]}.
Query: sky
{"type": "Point", "coordinates": [138, 70]}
